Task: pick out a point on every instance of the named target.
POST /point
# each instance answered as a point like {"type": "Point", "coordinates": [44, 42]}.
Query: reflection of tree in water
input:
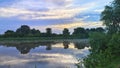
{"type": "Point", "coordinates": [25, 48]}
{"type": "Point", "coordinates": [80, 45]}
{"type": "Point", "coordinates": [66, 44]}
{"type": "Point", "coordinates": [48, 47]}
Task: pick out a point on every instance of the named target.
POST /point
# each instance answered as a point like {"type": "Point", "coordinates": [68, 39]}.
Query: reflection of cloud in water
{"type": "Point", "coordinates": [38, 59]}
{"type": "Point", "coordinates": [58, 57]}
{"type": "Point", "coordinates": [60, 45]}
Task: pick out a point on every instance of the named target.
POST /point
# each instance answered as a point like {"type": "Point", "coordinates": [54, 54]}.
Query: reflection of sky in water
{"type": "Point", "coordinates": [57, 57]}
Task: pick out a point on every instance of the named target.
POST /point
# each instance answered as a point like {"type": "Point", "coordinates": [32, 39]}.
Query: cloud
{"type": "Point", "coordinates": [60, 3]}
{"type": "Point", "coordinates": [48, 9]}
{"type": "Point", "coordinates": [35, 15]}
{"type": "Point", "coordinates": [37, 4]}
{"type": "Point", "coordinates": [73, 25]}
{"type": "Point", "coordinates": [10, 12]}
{"type": "Point", "coordinates": [59, 27]}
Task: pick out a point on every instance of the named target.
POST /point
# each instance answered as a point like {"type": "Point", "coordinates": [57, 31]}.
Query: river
{"type": "Point", "coordinates": [42, 55]}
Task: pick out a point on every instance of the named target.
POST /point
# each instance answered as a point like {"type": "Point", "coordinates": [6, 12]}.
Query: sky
{"type": "Point", "coordinates": [55, 14]}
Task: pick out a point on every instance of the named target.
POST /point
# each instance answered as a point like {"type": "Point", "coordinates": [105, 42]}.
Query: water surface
{"type": "Point", "coordinates": [42, 55]}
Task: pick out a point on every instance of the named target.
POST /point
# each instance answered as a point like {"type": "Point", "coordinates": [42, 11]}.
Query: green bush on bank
{"type": "Point", "coordinates": [104, 51]}
{"type": "Point", "coordinates": [114, 45]}
{"type": "Point", "coordinates": [98, 42]}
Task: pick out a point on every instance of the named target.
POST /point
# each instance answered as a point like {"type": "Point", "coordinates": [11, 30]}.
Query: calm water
{"type": "Point", "coordinates": [42, 55]}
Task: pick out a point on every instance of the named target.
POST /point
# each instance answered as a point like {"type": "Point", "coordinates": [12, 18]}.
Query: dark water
{"type": "Point", "coordinates": [42, 54]}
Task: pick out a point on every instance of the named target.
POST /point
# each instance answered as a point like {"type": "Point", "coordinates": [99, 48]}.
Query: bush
{"type": "Point", "coordinates": [98, 42]}
{"type": "Point", "coordinates": [114, 44]}
{"type": "Point", "coordinates": [100, 56]}
{"type": "Point", "coordinates": [99, 60]}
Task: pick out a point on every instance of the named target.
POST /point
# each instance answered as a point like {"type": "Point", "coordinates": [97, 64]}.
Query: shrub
{"type": "Point", "coordinates": [98, 42]}
{"type": "Point", "coordinates": [114, 44]}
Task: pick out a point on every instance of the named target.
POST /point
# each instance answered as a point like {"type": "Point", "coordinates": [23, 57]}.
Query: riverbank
{"type": "Point", "coordinates": [37, 40]}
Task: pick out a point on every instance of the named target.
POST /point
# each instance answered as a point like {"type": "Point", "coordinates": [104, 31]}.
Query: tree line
{"type": "Point", "coordinates": [26, 31]}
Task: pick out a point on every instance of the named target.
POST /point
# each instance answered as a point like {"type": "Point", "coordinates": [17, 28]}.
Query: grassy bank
{"type": "Point", "coordinates": [41, 39]}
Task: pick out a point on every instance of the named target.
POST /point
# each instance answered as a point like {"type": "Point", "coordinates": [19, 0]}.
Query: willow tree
{"type": "Point", "coordinates": [111, 17]}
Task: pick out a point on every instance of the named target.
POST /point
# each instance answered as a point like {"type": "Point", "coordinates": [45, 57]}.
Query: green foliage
{"type": "Point", "coordinates": [103, 51]}
{"type": "Point", "coordinates": [34, 33]}
{"type": "Point", "coordinates": [80, 33]}
{"type": "Point", "coordinates": [9, 33]}
{"type": "Point", "coordinates": [111, 17]}
{"type": "Point", "coordinates": [114, 45]}
{"type": "Point", "coordinates": [105, 48]}
{"type": "Point", "coordinates": [66, 32]}
{"type": "Point", "coordinates": [99, 60]}
{"type": "Point", "coordinates": [100, 29]}
{"type": "Point", "coordinates": [98, 42]}
{"type": "Point", "coordinates": [24, 30]}
{"type": "Point", "coordinates": [101, 56]}
{"type": "Point", "coordinates": [48, 32]}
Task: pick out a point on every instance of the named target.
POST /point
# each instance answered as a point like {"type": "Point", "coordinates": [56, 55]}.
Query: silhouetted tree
{"type": "Point", "coordinates": [100, 29]}
{"type": "Point", "coordinates": [24, 30]}
{"type": "Point", "coordinates": [87, 30]}
{"type": "Point", "coordinates": [80, 33]}
{"type": "Point", "coordinates": [9, 33]}
{"type": "Point", "coordinates": [66, 32]}
{"type": "Point", "coordinates": [35, 32]}
{"type": "Point", "coordinates": [92, 30]}
{"type": "Point", "coordinates": [48, 32]}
